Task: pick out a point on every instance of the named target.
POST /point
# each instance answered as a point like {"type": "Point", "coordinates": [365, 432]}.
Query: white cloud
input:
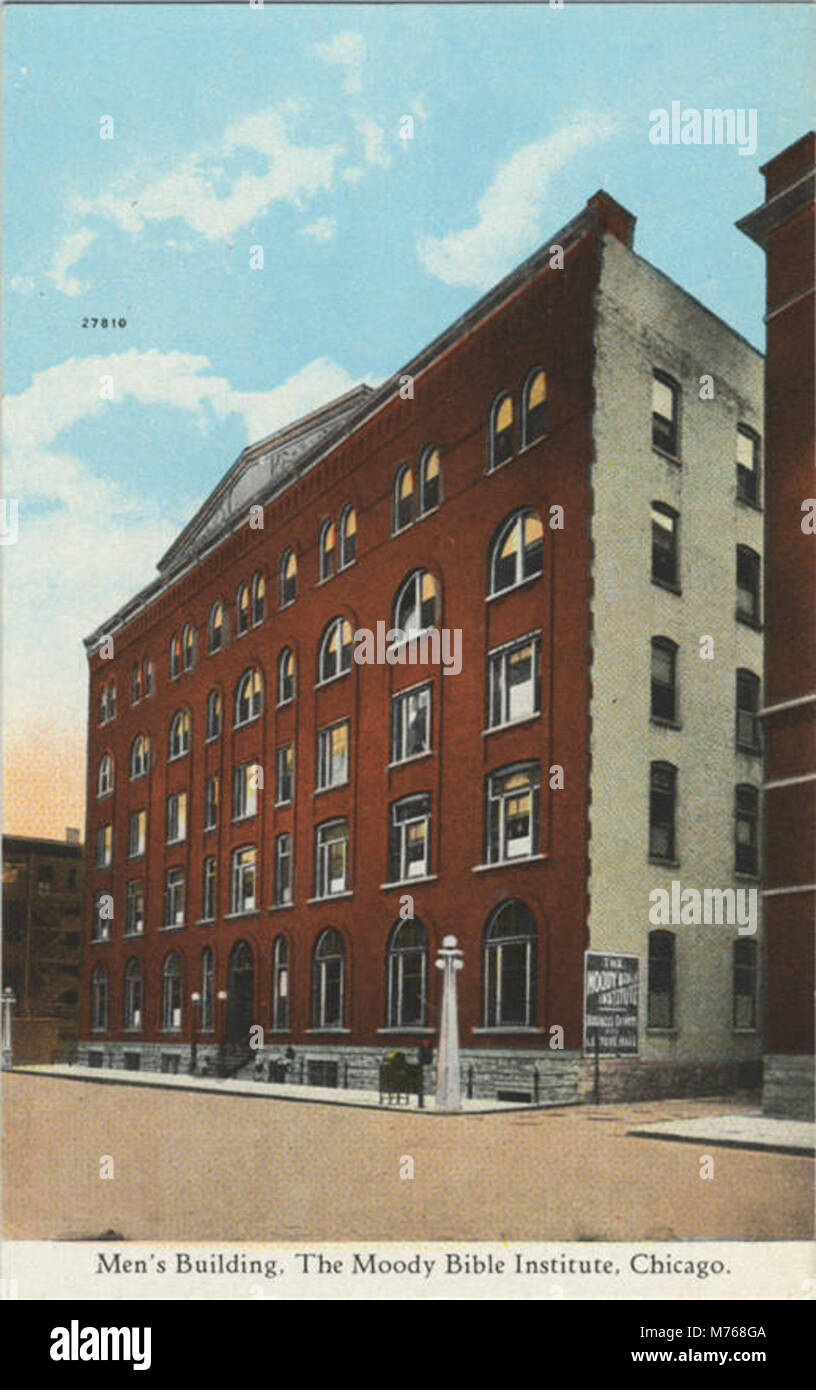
{"type": "Point", "coordinates": [373, 137]}
{"type": "Point", "coordinates": [346, 50]}
{"type": "Point", "coordinates": [352, 174]}
{"type": "Point", "coordinates": [72, 250]}
{"type": "Point", "coordinates": [23, 284]}
{"type": "Point", "coordinates": [510, 211]}
{"type": "Point", "coordinates": [322, 229]}
{"type": "Point", "coordinates": [295, 173]}
{"type": "Point", "coordinates": [96, 541]}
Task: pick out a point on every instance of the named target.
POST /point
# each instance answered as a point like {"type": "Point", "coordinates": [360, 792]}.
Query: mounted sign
{"type": "Point", "coordinates": [611, 1000]}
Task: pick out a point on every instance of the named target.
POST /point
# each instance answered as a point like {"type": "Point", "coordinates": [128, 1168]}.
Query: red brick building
{"type": "Point", "coordinates": [785, 227]}
{"type": "Point", "coordinates": [287, 833]}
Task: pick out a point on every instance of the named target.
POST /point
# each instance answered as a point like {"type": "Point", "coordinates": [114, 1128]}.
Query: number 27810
{"type": "Point", "coordinates": [104, 323]}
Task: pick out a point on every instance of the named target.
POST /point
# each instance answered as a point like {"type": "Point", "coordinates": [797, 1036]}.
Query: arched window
{"type": "Point", "coordinates": [207, 990]}
{"type": "Point", "coordinates": [104, 776]}
{"type": "Point", "coordinates": [664, 679]}
{"type": "Point", "coordinates": [258, 598]}
{"type": "Point", "coordinates": [171, 993]}
{"type": "Point", "coordinates": [248, 697]}
{"type": "Point", "coordinates": [534, 407]}
{"type": "Point", "coordinates": [348, 536]}
{"type": "Point", "coordinates": [430, 481]}
{"type": "Point", "coordinates": [328, 545]}
{"type": "Point", "coordinates": [748, 585]}
{"type": "Point", "coordinates": [510, 942]}
{"type": "Point", "coordinates": [148, 677]}
{"type": "Point", "coordinates": [133, 996]}
{"type": "Point", "coordinates": [280, 985]}
{"type": "Point", "coordinates": [328, 980]}
{"type": "Point", "coordinates": [662, 805]}
{"type": "Point", "coordinates": [665, 555]}
{"type": "Point", "coordinates": [215, 627]}
{"type": "Point", "coordinates": [139, 756]}
{"type": "Point", "coordinates": [335, 650]}
{"type": "Point", "coordinates": [286, 676]}
{"type": "Point", "coordinates": [501, 431]}
{"type": "Point", "coordinates": [287, 578]}
{"type": "Point", "coordinates": [517, 551]}
{"type": "Point", "coordinates": [242, 609]}
{"type": "Point", "coordinates": [745, 984]}
{"type": "Point", "coordinates": [188, 647]}
{"type": "Point", "coordinates": [214, 718]}
{"type": "Point", "coordinates": [175, 656]}
{"type": "Point", "coordinates": [416, 606]}
{"type": "Point", "coordinates": [135, 683]}
{"type": "Point", "coordinates": [746, 830]}
{"type": "Point", "coordinates": [99, 999]}
{"type": "Point", "coordinates": [179, 734]}
{"type": "Point", "coordinates": [406, 975]}
{"type": "Point", "coordinates": [660, 998]}
{"type": "Point", "coordinates": [403, 498]}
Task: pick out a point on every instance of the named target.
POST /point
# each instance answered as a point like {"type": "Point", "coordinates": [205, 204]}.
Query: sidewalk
{"type": "Point", "coordinates": [265, 1090]}
{"type": "Point", "coordinates": [753, 1131]}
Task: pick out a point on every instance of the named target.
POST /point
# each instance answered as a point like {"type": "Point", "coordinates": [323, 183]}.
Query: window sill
{"type": "Point", "coordinates": [668, 586]}
{"type": "Point", "coordinates": [531, 443]}
{"type": "Point", "coordinates": [328, 1032]}
{"type": "Point", "coordinates": [510, 1029]}
{"type": "Point", "coordinates": [281, 805]}
{"type": "Point", "coordinates": [751, 750]}
{"type": "Point", "coordinates": [661, 723]}
{"type": "Point", "coordinates": [514, 588]}
{"type": "Point", "coordinates": [284, 704]}
{"type": "Point", "coordinates": [414, 758]}
{"type": "Point", "coordinates": [747, 876]}
{"type": "Point", "coordinates": [237, 820]}
{"type": "Point", "coordinates": [749, 502]}
{"type": "Point", "coordinates": [664, 454]}
{"type": "Point", "coordinates": [101, 940]}
{"type": "Point", "coordinates": [320, 791]}
{"type": "Point", "coordinates": [245, 723]}
{"type": "Point", "coordinates": [663, 863]}
{"type": "Point", "coordinates": [753, 623]}
{"type": "Point", "coordinates": [409, 1028]}
{"type": "Point", "coordinates": [204, 922]}
{"type": "Point", "coordinates": [320, 685]}
{"type": "Point", "coordinates": [509, 863]}
{"type": "Point", "coordinates": [745, 1032]}
{"type": "Point", "coordinates": [246, 912]}
{"type": "Point", "coordinates": [407, 882]}
{"type": "Point", "coordinates": [173, 926]}
{"type": "Point", "coordinates": [332, 897]}
{"type": "Point", "coordinates": [171, 844]}
{"type": "Point", "coordinates": [280, 907]}
{"type": "Point", "coordinates": [656, 1032]}
{"type": "Point", "coordinates": [511, 724]}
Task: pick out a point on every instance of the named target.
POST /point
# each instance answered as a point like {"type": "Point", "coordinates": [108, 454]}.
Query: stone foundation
{"type": "Point", "coordinates": [788, 1087]}
{"type": "Point", "coordinates": [632, 1078]}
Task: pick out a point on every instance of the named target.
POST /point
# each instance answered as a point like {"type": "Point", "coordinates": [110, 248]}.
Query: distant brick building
{"type": "Point", "coordinates": [43, 890]}
{"type": "Point", "coordinates": [785, 228]}
{"type": "Point", "coordinates": [281, 835]}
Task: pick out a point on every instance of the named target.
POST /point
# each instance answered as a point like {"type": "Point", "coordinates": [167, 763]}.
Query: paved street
{"type": "Point", "coordinates": [199, 1166]}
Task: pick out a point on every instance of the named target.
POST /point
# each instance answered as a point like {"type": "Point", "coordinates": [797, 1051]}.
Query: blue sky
{"type": "Point", "coordinates": [279, 127]}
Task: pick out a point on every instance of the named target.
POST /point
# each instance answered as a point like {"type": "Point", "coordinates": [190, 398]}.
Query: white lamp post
{"type": "Point", "coordinates": [7, 1001]}
{"type": "Point", "coordinates": [448, 1084]}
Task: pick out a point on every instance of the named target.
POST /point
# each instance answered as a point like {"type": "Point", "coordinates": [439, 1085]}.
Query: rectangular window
{"type": "Point", "coordinates": [662, 798]}
{"type": "Point", "coordinates": [137, 833]}
{"type": "Point", "coordinates": [211, 803]}
{"type": "Point", "coordinates": [512, 814]}
{"type": "Point", "coordinates": [283, 870]}
{"type": "Point", "coordinates": [333, 755]}
{"type": "Point", "coordinates": [245, 781]}
{"type": "Point", "coordinates": [747, 584]}
{"type": "Point", "coordinates": [665, 525]}
{"type": "Point", "coordinates": [134, 908]}
{"type": "Point", "coordinates": [174, 898]}
{"type": "Point", "coordinates": [664, 680]}
{"type": "Point", "coordinates": [243, 880]}
{"type": "Point", "coordinates": [101, 920]}
{"type": "Point", "coordinates": [410, 723]}
{"type": "Point", "coordinates": [513, 683]}
{"type": "Point", "coordinates": [748, 711]}
{"type": "Point", "coordinates": [745, 984]}
{"type": "Point", "coordinates": [747, 464]}
{"type": "Point", "coordinates": [660, 1001]}
{"type": "Point", "coordinates": [176, 817]}
{"type": "Point", "coordinates": [665, 402]}
{"type": "Point", "coordinates": [331, 859]}
{"type": "Point", "coordinates": [104, 846]}
{"type": "Point", "coordinates": [284, 780]}
{"type": "Point", "coordinates": [208, 890]}
{"type": "Point", "coordinates": [409, 839]}
{"type": "Point", "coordinates": [746, 848]}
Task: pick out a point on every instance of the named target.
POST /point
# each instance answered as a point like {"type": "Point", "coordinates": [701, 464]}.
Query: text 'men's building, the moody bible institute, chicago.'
{"type": "Point", "coordinates": [281, 835]}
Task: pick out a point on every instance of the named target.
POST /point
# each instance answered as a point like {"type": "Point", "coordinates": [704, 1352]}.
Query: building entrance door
{"type": "Point", "coordinates": [240, 994]}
